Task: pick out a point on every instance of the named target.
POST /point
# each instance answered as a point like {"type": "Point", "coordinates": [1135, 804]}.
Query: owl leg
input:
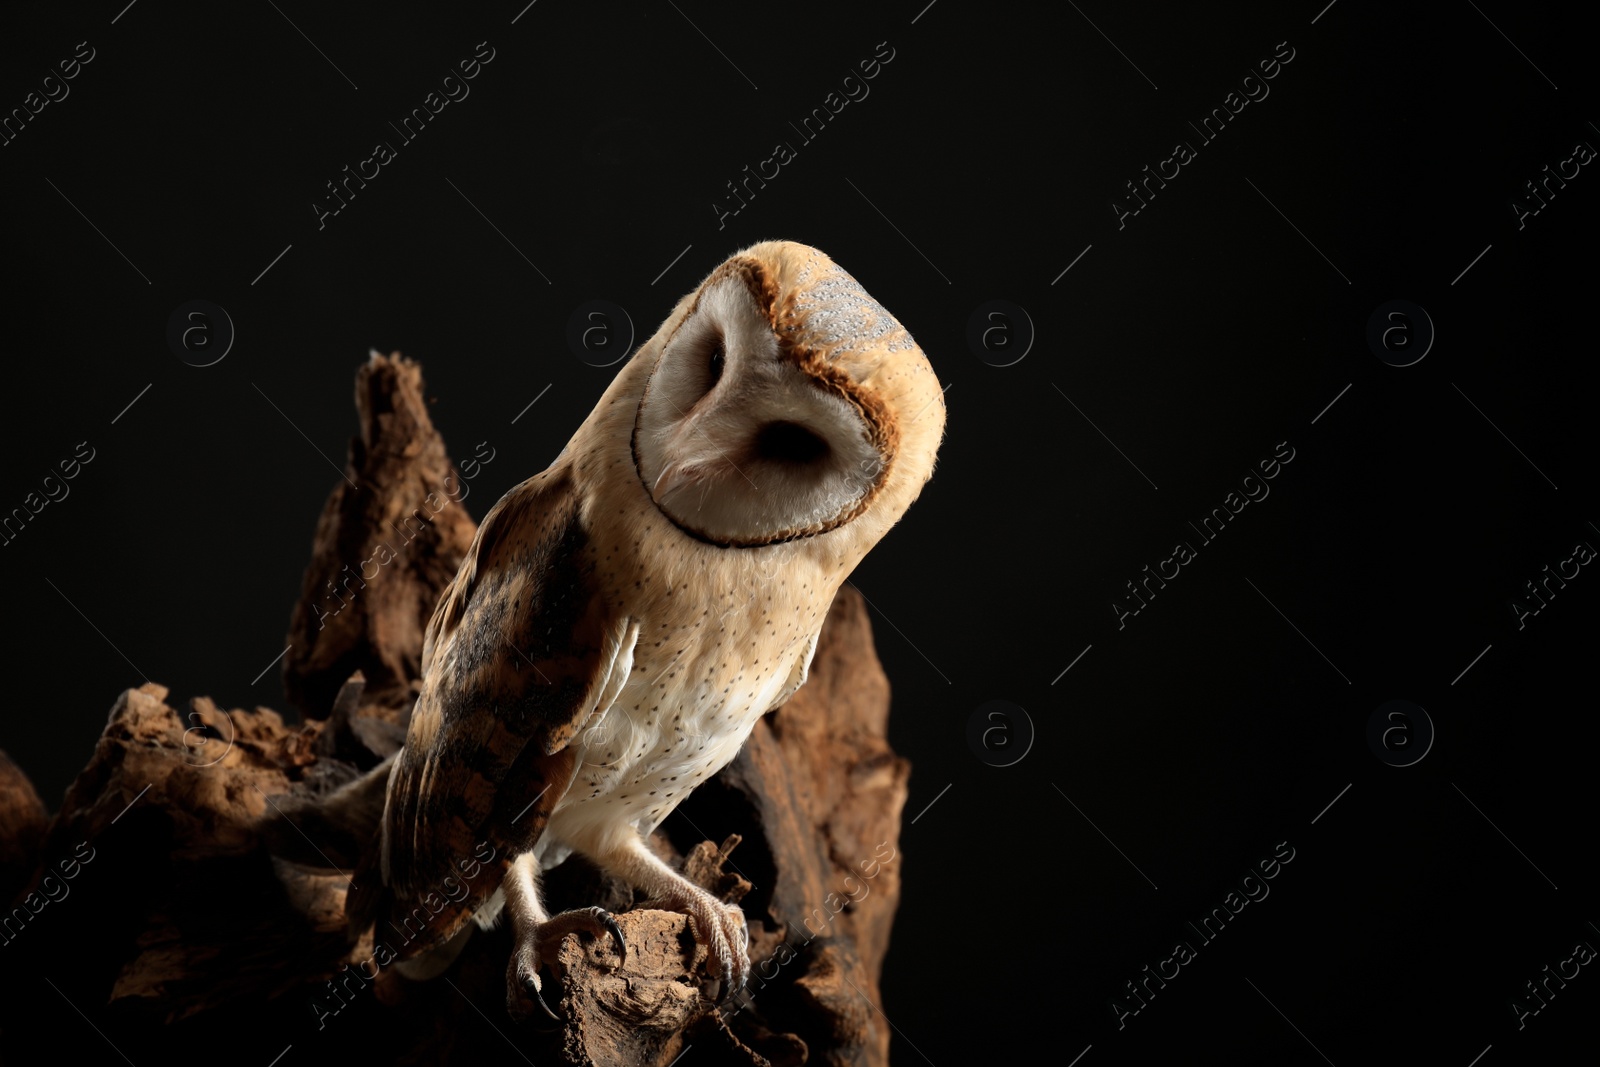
{"type": "Point", "coordinates": [720, 927]}
{"type": "Point", "coordinates": [538, 936]}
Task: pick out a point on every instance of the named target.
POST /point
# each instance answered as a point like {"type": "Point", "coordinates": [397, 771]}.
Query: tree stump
{"type": "Point", "coordinates": [150, 906]}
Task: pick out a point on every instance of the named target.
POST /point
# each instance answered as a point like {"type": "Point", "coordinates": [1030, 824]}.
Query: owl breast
{"type": "Point", "coordinates": [724, 634]}
{"type": "Point", "coordinates": [688, 706]}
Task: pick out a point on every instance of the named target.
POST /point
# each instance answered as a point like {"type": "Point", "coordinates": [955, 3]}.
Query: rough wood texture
{"type": "Point", "coordinates": [390, 537]}
{"type": "Point", "coordinates": [22, 824]}
{"type": "Point", "coordinates": [827, 792]}
{"type": "Point", "coordinates": [185, 929]}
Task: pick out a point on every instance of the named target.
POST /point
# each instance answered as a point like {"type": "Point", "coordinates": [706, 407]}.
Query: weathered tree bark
{"type": "Point", "coordinates": [23, 819]}
{"type": "Point", "coordinates": [388, 541]}
{"type": "Point", "coordinates": [197, 930]}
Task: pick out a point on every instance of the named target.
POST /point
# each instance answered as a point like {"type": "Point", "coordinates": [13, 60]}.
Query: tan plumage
{"type": "Point", "coordinates": [623, 618]}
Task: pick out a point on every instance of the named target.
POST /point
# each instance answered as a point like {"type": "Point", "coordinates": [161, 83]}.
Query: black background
{"type": "Point", "coordinates": [1221, 320]}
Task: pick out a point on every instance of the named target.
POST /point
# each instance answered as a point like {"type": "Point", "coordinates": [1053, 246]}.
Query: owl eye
{"type": "Point", "coordinates": [789, 442]}
{"type": "Point", "coordinates": [714, 363]}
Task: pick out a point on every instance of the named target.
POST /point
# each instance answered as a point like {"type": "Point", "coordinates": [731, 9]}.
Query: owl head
{"type": "Point", "coordinates": [779, 402]}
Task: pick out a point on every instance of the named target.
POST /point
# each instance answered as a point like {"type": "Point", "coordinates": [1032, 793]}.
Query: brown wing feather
{"type": "Point", "coordinates": [516, 657]}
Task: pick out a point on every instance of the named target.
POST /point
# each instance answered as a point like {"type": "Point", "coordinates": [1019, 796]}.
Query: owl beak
{"type": "Point", "coordinates": [684, 474]}
{"type": "Point", "coordinates": [673, 477]}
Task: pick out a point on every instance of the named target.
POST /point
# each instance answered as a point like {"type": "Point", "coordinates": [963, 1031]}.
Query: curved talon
{"type": "Point", "coordinates": [731, 987]}
{"type": "Point", "coordinates": [729, 979]}
{"type": "Point", "coordinates": [727, 937]}
{"type": "Point", "coordinates": [605, 919]}
{"type": "Point", "coordinates": [530, 986]}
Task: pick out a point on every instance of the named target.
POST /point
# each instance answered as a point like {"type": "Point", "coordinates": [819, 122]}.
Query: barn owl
{"type": "Point", "coordinates": [622, 619]}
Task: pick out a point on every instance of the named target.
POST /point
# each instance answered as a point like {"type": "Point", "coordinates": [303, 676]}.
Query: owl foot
{"type": "Point", "coordinates": [538, 942]}
{"type": "Point", "coordinates": [718, 926]}
{"type": "Point", "coordinates": [722, 929]}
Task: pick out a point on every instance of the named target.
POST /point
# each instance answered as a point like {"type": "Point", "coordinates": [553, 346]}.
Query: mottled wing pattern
{"type": "Point", "coordinates": [521, 651]}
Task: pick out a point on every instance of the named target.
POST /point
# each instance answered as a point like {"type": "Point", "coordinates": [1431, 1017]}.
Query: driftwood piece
{"type": "Point", "coordinates": [827, 792]}
{"type": "Point", "coordinates": [23, 819]}
{"type": "Point", "coordinates": [186, 929]}
{"type": "Point", "coordinates": [389, 539]}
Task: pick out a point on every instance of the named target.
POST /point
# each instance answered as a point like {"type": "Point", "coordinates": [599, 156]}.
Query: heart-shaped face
{"type": "Point", "coordinates": [741, 439]}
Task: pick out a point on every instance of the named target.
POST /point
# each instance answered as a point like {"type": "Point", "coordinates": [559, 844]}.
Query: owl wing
{"type": "Point", "coordinates": [521, 651]}
{"type": "Point", "coordinates": [797, 674]}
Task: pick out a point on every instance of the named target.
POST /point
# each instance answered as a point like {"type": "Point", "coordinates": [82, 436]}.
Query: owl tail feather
{"type": "Point", "coordinates": [368, 898]}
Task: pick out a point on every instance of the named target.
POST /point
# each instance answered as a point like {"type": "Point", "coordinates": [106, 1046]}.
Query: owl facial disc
{"type": "Point", "coordinates": [738, 440]}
